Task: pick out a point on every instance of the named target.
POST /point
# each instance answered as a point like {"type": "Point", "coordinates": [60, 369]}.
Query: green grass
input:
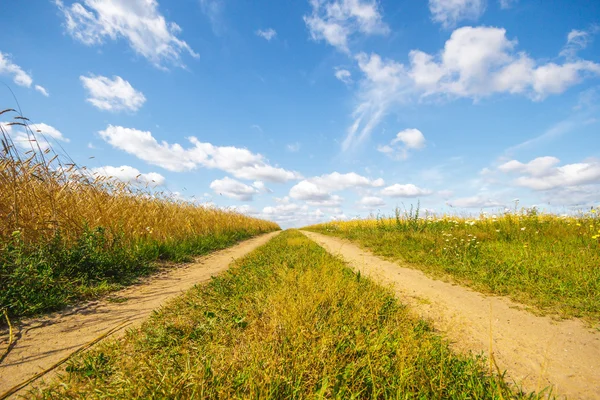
{"type": "Point", "coordinates": [38, 278]}
{"type": "Point", "coordinates": [551, 263]}
{"type": "Point", "coordinates": [287, 321]}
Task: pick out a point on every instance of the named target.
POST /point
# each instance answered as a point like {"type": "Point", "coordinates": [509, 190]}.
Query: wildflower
{"type": "Point", "coordinates": [497, 230]}
{"type": "Point", "coordinates": [523, 228]}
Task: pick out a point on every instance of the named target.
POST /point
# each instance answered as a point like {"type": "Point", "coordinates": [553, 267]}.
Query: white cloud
{"type": "Point", "coordinates": [92, 22]}
{"type": "Point", "coordinates": [409, 139]}
{"type": "Point", "coordinates": [478, 201]}
{"type": "Point", "coordinates": [38, 136]}
{"type": "Point", "coordinates": [577, 40]}
{"type": "Point", "coordinates": [408, 190]}
{"type": "Point", "coordinates": [371, 202]}
{"type": "Point", "coordinates": [543, 173]}
{"type": "Point", "coordinates": [335, 21]}
{"type": "Point", "coordinates": [241, 163]}
{"type": "Point", "coordinates": [7, 67]}
{"type": "Point", "coordinates": [480, 61]}
{"type": "Point", "coordinates": [332, 201]}
{"type": "Point", "coordinates": [449, 12]}
{"type": "Point", "coordinates": [293, 147]}
{"type": "Point", "coordinates": [42, 90]}
{"type": "Point", "coordinates": [292, 214]}
{"type": "Point", "coordinates": [112, 95]}
{"type": "Point", "coordinates": [476, 62]}
{"type": "Point", "coordinates": [343, 75]}
{"type": "Point", "coordinates": [233, 189]}
{"type": "Point", "coordinates": [306, 190]}
{"type": "Point", "coordinates": [336, 181]}
{"type": "Point", "coordinates": [539, 167]}
{"type": "Point", "coordinates": [385, 83]}
{"type": "Point", "coordinates": [319, 190]}
{"type": "Point", "coordinates": [267, 34]}
{"type": "Point", "coordinates": [261, 187]}
{"type": "Point", "coordinates": [128, 174]}
{"type": "Point", "coordinates": [19, 77]}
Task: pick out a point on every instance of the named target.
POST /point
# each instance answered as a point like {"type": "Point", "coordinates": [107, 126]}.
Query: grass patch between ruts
{"type": "Point", "coordinates": [287, 321]}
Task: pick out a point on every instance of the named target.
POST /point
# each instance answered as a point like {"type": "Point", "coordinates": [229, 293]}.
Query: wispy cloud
{"type": "Point", "coordinates": [139, 22]}
{"type": "Point", "coordinates": [16, 73]}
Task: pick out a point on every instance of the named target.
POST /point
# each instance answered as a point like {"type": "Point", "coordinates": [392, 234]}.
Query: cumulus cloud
{"type": "Point", "coordinates": [319, 190]}
{"type": "Point", "coordinates": [480, 61]}
{"type": "Point", "coordinates": [287, 213]}
{"type": "Point", "coordinates": [14, 71]}
{"type": "Point", "coordinates": [233, 189]}
{"type": "Point", "coordinates": [241, 163]}
{"type": "Point", "coordinates": [128, 174]}
{"type": "Point", "coordinates": [406, 140]}
{"type": "Point", "coordinates": [543, 173]}
{"type": "Point", "coordinates": [343, 75]}
{"type": "Point", "coordinates": [114, 94]}
{"type": "Point", "coordinates": [267, 34]}
{"type": "Point", "coordinates": [450, 12]}
{"type": "Point", "coordinates": [39, 136]}
{"type": "Point", "coordinates": [476, 62]}
{"type": "Point", "coordinates": [139, 22]}
{"type": "Point", "coordinates": [336, 21]}
{"type": "Point", "coordinates": [371, 202]}
{"type": "Point", "coordinates": [407, 190]}
{"type": "Point", "coordinates": [478, 201]}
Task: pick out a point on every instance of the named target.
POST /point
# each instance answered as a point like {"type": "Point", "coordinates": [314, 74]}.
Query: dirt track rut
{"type": "Point", "coordinates": [536, 351]}
{"type": "Point", "coordinates": [41, 342]}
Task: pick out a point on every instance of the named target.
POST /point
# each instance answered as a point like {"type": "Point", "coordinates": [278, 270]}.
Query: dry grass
{"type": "Point", "coordinates": [52, 206]}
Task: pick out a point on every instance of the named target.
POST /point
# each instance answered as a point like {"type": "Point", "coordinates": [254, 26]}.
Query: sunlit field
{"type": "Point", "coordinates": [68, 234]}
{"type": "Point", "coordinates": [287, 321]}
{"type": "Point", "coordinates": [550, 262]}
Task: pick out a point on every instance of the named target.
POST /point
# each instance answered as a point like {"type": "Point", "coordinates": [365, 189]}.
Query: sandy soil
{"type": "Point", "coordinates": [536, 351]}
{"type": "Point", "coordinates": [41, 342]}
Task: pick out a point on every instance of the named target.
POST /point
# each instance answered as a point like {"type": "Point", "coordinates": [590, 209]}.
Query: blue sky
{"type": "Point", "coordinates": [307, 111]}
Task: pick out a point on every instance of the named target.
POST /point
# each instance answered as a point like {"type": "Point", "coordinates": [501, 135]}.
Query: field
{"type": "Point", "coordinates": [549, 262]}
{"type": "Point", "coordinates": [67, 234]}
{"type": "Point", "coordinates": [287, 321]}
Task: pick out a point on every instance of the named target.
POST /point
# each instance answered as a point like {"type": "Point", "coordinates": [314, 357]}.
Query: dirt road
{"type": "Point", "coordinates": [41, 342]}
{"type": "Point", "coordinates": [536, 351]}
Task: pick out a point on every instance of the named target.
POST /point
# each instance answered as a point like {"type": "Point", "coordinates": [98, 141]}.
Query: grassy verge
{"type": "Point", "coordinates": [545, 261]}
{"type": "Point", "coordinates": [69, 233]}
{"type": "Point", "coordinates": [37, 279]}
{"type": "Point", "coordinates": [287, 321]}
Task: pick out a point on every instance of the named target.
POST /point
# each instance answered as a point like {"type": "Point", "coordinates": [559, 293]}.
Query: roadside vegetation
{"type": "Point", "coordinates": [287, 321]}
{"type": "Point", "coordinates": [67, 234]}
{"type": "Point", "coordinates": [546, 261]}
